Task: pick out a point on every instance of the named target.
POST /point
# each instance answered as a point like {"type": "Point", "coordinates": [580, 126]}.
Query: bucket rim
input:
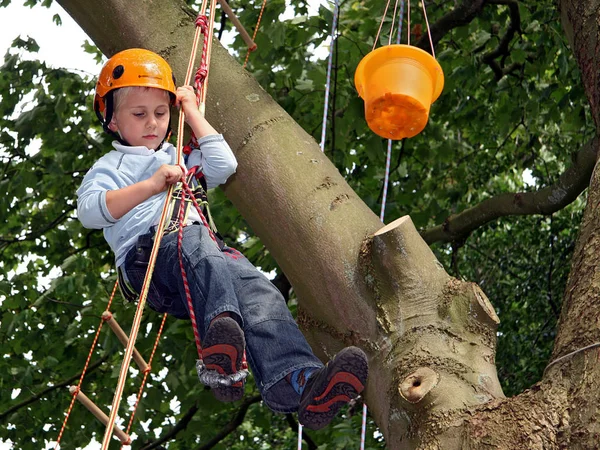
{"type": "Point", "coordinates": [406, 51]}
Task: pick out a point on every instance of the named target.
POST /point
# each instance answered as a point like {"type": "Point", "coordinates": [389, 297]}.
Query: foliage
{"type": "Point", "coordinates": [484, 133]}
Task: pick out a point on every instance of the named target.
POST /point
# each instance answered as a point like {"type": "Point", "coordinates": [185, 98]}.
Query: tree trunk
{"type": "Point", "coordinates": [430, 338]}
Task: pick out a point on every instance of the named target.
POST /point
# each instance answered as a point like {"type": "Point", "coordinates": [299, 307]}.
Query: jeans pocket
{"type": "Point", "coordinates": [136, 274]}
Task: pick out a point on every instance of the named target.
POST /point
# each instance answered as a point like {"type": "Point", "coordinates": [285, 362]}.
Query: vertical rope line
{"type": "Point", "coordinates": [186, 285]}
{"type": "Point", "coordinates": [386, 179]}
{"type": "Point", "coordinates": [408, 23]}
{"type": "Point", "coordinates": [389, 146]}
{"type": "Point", "coordinates": [328, 79]}
{"type": "Point", "coordinates": [428, 29]}
{"type": "Point", "coordinates": [393, 23]}
{"type": "Point", "coordinates": [208, 46]}
{"type": "Point", "coordinates": [400, 19]}
{"type": "Point", "coordinates": [299, 436]}
{"type": "Point", "coordinates": [363, 433]}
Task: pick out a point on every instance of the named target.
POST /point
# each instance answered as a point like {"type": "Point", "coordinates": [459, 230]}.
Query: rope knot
{"type": "Point", "coordinates": [201, 74]}
{"type": "Point", "coordinates": [201, 21]}
{"type": "Point", "coordinates": [74, 390]}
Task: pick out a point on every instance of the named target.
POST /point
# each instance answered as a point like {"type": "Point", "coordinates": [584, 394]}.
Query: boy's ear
{"type": "Point", "coordinates": [112, 125]}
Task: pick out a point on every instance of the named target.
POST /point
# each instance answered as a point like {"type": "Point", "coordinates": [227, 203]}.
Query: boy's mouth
{"type": "Point", "coordinates": [150, 136]}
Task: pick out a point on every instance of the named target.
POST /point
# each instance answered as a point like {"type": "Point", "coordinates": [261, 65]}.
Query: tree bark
{"type": "Point", "coordinates": [430, 338]}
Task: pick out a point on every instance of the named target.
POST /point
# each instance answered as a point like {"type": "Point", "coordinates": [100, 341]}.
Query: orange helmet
{"type": "Point", "coordinates": [132, 67]}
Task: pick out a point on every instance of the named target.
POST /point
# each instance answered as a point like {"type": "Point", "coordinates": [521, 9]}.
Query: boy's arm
{"type": "Point", "coordinates": [120, 201]}
{"type": "Point", "coordinates": [215, 156]}
{"type": "Point", "coordinates": [101, 202]}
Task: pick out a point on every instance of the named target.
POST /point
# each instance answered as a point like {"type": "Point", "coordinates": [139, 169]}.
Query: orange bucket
{"type": "Point", "coordinates": [398, 84]}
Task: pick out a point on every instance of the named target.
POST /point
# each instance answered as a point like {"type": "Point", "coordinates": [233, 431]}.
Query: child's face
{"type": "Point", "coordinates": [142, 117]}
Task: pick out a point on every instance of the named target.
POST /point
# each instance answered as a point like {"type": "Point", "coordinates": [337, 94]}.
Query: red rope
{"type": "Point", "coordinates": [262, 9]}
{"type": "Point", "coordinates": [85, 367]}
{"type": "Point", "coordinates": [186, 285]}
{"type": "Point", "coordinates": [187, 192]}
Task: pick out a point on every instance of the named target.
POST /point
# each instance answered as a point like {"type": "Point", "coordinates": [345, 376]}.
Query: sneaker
{"type": "Point", "coordinates": [223, 352]}
{"type": "Point", "coordinates": [331, 387]}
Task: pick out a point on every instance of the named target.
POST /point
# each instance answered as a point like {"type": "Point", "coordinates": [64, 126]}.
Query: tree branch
{"type": "Point", "coordinates": [461, 15]}
{"type": "Point", "coordinates": [503, 46]}
{"type": "Point", "coordinates": [179, 426]}
{"type": "Point", "coordinates": [65, 383]}
{"type": "Point", "coordinates": [544, 201]}
{"type": "Point", "coordinates": [232, 426]}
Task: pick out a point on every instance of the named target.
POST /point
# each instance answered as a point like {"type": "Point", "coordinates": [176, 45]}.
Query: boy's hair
{"type": "Point", "coordinates": [119, 95]}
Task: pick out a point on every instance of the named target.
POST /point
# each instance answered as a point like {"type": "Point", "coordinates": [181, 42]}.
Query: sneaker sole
{"type": "Point", "coordinates": [335, 390]}
{"type": "Point", "coordinates": [224, 348]}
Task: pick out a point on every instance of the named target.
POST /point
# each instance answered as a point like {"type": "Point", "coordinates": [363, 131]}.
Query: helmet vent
{"type": "Point", "coordinates": [118, 72]}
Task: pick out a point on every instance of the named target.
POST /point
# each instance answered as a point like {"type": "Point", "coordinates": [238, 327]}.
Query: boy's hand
{"type": "Point", "coordinates": [165, 176]}
{"type": "Point", "coordinates": [186, 99]}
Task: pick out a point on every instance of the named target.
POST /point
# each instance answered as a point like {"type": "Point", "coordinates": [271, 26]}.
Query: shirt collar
{"type": "Point", "coordinates": [136, 149]}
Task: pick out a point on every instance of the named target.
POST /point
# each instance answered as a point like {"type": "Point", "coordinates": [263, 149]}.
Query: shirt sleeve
{"type": "Point", "coordinates": [91, 196]}
{"type": "Point", "coordinates": [216, 159]}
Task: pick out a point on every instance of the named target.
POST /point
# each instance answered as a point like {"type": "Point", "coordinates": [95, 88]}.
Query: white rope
{"type": "Point", "coordinates": [299, 436]}
{"type": "Point", "coordinates": [328, 82]}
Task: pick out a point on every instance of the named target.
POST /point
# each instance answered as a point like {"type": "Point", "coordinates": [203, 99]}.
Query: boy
{"type": "Point", "coordinates": [236, 307]}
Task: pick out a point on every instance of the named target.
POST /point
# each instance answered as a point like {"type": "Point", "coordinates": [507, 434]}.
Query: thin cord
{"type": "Point", "coordinates": [386, 179]}
{"type": "Point", "coordinates": [568, 355]}
{"type": "Point", "coordinates": [400, 19]}
{"type": "Point", "coordinates": [393, 23]}
{"type": "Point", "coordinates": [389, 146]}
{"type": "Point", "coordinates": [262, 9]}
{"type": "Point", "coordinates": [408, 23]}
{"type": "Point", "coordinates": [363, 432]}
{"type": "Point", "coordinates": [381, 24]}
{"type": "Point", "coordinates": [299, 436]}
{"type": "Point", "coordinates": [428, 29]}
{"type": "Point", "coordinates": [328, 82]}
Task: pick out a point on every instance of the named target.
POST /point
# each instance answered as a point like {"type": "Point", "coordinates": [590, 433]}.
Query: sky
{"type": "Point", "coordinates": [60, 46]}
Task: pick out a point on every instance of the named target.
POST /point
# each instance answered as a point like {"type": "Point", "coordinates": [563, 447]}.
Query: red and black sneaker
{"type": "Point", "coordinates": [331, 387]}
{"type": "Point", "coordinates": [223, 351]}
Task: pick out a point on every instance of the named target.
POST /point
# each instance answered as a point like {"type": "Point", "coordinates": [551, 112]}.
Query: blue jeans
{"type": "Point", "coordinates": [223, 280]}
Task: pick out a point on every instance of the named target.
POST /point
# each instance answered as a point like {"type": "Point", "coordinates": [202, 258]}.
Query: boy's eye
{"type": "Point", "coordinates": [140, 114]}
{"type": "Point", "coordinates": [160, 114]}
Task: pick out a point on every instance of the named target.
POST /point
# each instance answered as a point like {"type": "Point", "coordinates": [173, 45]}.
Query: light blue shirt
{"type": "Point", "coordinates": [125, 166]}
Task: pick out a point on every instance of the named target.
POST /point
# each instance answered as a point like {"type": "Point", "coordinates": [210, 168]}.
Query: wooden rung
{"type": "Point", "coordinates": [112, 323]}
{"type": "Point", "coordinates": [91, 406]}
{"type": "Point", "coordinates": [245, 36]}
